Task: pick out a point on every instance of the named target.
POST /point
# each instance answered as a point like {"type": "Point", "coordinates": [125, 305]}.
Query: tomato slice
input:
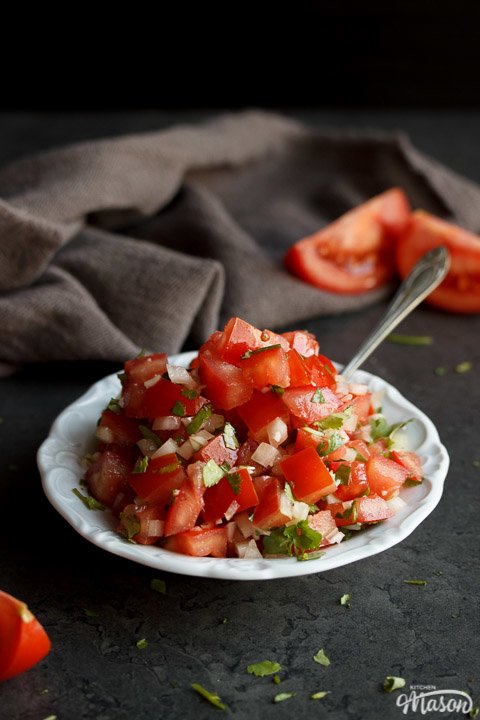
{"type": "Point", "coordinates": [23, 641]}
{"type": "Point", "coordinates": [385, 476]}
{"type": "Point", "coordinates": [356, 252]}
{"type": "Point", "coordinates": [308, 476]}
{"type": "Point", "coordinates": [460, 291]}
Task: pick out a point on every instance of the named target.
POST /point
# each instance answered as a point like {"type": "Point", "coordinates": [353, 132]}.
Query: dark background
{"type": "Point", "coordinates": [329, 53]}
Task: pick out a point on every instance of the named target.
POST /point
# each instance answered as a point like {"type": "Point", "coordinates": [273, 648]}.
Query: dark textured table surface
{"type": "Point", "coordinates": [427, 634]}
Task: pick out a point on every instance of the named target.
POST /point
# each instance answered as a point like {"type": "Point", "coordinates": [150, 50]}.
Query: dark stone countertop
{"type": "Point", "coordinates": [428, 635]}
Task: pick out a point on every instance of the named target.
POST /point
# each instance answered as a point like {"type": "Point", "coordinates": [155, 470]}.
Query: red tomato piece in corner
{"type": "Point", "coordinates": [303, 342]}
{"type": "Point", "coordinates": [356, 252]}
{"type": "Point", "coordinates": [23, 641]}
{"type": "Point", "coordinates": [300, 374]}
{"type": "Point", "coordinates": [108, 474]}
{"type": "Point", "coordinates": [201, 542]}
{"type": "Point", "coordinates": [306, 473]}
{"type": "Point", "coordinates": [385, 476]}
{"type": "Point", "coordinates": [183, 512]}
{"type": "Point", "coordinates": [460, 291]}
{"type": "Point", "coordinates": [268, 366]}
{"type": "Point", "coordinates": [260, 411]}
{"type": "Point", "coordinates": [309, 403]}
{"type": "Point", "coordinates": [219, 498]}
{"type": "Point", "coordinates": [226, 385]}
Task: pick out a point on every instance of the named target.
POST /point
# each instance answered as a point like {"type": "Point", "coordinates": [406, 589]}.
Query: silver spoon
{"type": "Point", "coordinates": [423, 278]}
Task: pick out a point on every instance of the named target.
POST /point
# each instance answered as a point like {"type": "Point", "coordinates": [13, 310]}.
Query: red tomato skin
{"type": "Point", "coordinates": [154, 486]}
{"type": "Point", "coordinates": [303, 342]}
{"type": "Point", "coordinates": [124, 430]}
{"type": "Point", "coordinates": [216, 450]}
{"type": "Point", "coordinates": [108, 474]}
{"type": "Point", "coordinates": [183, 512]}
{"type": "Point", "coordinates": [143, 514]}
{"type": "Point", "coordinates": [305, 439]}
{"type": "Point", "coordinates": [357, 485]}
{"type": "Point", "coordinates": [409, 460]}
{"type": "Point", "coordinates": [322, 372]}
{"type": "Point", "coordinates": [362, 406]}
{"type": "Point", "coordinates": [261, 482]}
{"type": "Point", "coordinates": [323, 523]}
{"type": "Point", "coordinates": [361, 448]}
{"type": "Point", "coordinates": [227, 385]}
{"type": "Point", "coordinates": [201, 542]}
{"type": "Point", "coordinates": [369, 509]}
{"type": "Point", "coordinates": [299, 402]}
{"type": "Point", "coordinates": [268, 513]}
{"type": "Point", "coordinates": [260, 411]}
{"type": "Point", "coordinates": [23, 641]}
{"type": "Point", "coordinates": [237, 337]}
{"type": "Point", "coordinates": [159, 400]}
{"type": "Point", "coordinates": [218, 498]}
{"type": "Point", "coordinates": [306, 473]}
{"type": "Point", "coordinates": [356, 252]}
{"type": "Point", "coordinates": [385, 476]}
{"type": "Point", "coordinates": [299, 371]}
{"type": "Point", "coordinates": [268, 367]}
{"type": "Point", "coordinates": [146, 367]}
{"type": "Point", "coordinates": [460, 291]}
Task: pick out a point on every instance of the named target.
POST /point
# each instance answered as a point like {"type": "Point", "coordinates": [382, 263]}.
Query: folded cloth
{"type": "Point", "coordinates": [146, 240]}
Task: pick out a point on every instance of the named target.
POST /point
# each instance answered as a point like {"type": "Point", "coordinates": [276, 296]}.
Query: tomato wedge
{"type": "Point", "coordinates": [356, 252]}
{"type": "Point", "coordinates": [460, 291]}
{"type": "Point", "coordinates": [23, 641]}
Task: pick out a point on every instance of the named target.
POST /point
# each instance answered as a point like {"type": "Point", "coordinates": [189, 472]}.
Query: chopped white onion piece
{"type": "Point", "coordinates": [231, 510]}
{"type": "Point", "coordinates": [152, 381]}
{"type": "Point", "coordinates": [377, 398]}
{"type": "Point", "coordinates": [355, 526]}
{"type": "Point", "coordinates": [350, 423]}
{"type": "Point", "coordinates": [148, 447]}
{"type": "Point", "coordinates": [186, 450]}
{"type": "Point", "coordinates": [170, 446]}
{"type": "Point", "coordinates": [265, 455]}
{"type": "Point", "coordinates": [104, 434]}
{"type": "Point", "coordinates": [300, 510]}
{"type": "Point", "coordinates": [252, 552]}
{"type": "Point", "coordinates": [214, 422]}
{"type": "Point", "coordinates": [155, 528]}
{"type": "Point", "coordinates": [277, 432]}
{"type": "Point", "coordinates": [231, 528]}
{"type": "Point", "coordinates": [167, 422]}
{"type": "Point", "coordinates": [358, 388]}
{"type": "Point", "coordinates": [396, 503]}
{"type": "Point", "coordinates": [286, 505]}
{"type": "Point", "coordinates": [330, 499]}
{"type": "Point", "coordinates": [365, 433]}
{"type": "Point", "coordinates": [335, 537]}
{"type": "Point", "coordinates": [180, 376]}
{"type": "Point", "coordinates": [186, 420]}
{"type": "Point", "coordinates": [245, 525]}
{"type": "Point", "coordinates": [200, 439]}
{"type": "Point", "coordinates": [349, 454]}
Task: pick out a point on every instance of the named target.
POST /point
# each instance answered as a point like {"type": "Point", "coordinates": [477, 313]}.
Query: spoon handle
{"type": "Point", "coordinates": [424, 277]}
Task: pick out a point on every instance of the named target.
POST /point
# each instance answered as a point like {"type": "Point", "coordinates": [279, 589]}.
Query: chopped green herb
{"type": "Point", "coordinates": [90, 613]}
{"type": "Point", "coordinates": [342, 474]}
{"type": "Point", "coordinates": [392, 683]}
{"type": "Point", "coordinates": [114, 405]}
{"type": "Point", "coordinates": [283, 696]}
{"type": "Point", "coordinates": [122, 376]}
{"type": "Point", "coordinates": [345, 600]}
{"type": "Point", "coordinates": [463, 367]}
{"type": "Point", "coordinates": [235, 482]}
{"type": "Point", "coordinates": [224, 621]}
{"type": "Point", "coordinates": [277, 679]}
{"type": "Point", "coordinates": [131, 525]}
{"type": "Point", "coordinates": [190, 394]}
{"type": "Point", "coordinates": [317, 396]}
{"type": "Point", "coordinates": [412, 482]}
{"type": "Point", "coordinates": [334, 442]}
{"type": "Point", "coordinates": [197, 421]}
{"type": "Point", "coordinates": [292, 540]}
{"type": "Point", "coordinates": [379, 427]}
{"type": "Point", "coordinates": [415, 582]}
{"type": "Point", "coordinates": [440, 371]}
{"type": "Point", "coordinates": [310, 555]}
{"type": "Point", "coordinates": [142, 644]}
{"type": "Point", "coordinates": [321, 658]}
{"type": "Point", "coordinates": [211, 473]}
{"type": "Point", "coordinates": [158, 585]}
{"type": "Point", "coordinates": [88, 500]}
{"type": "Point", "coordinates": [149, 434]}
{"type": "Point", "coordinates": [141, 465]}
{"type": "Point", "coordinates": [319, 695]}
{"type": "Point", "coordinates": [229, 437]}
{"type": "Point", "coordinates": [44, 691]}
{"type": "Point", "coordinates": [211, 697]}
{"type": "Point", "coordinates": [474, 712]}
{"type": "Point", "coordinates": [278, 390]}
{"type": "Point", "coordinates": [178, 409]}
{"type": "Point", "coordinates": [398, 339]}
{"type": "Point", "coordinates": [476, 463]}
{"type": "Point", "coordinates": [171, 467]}
{"type": "Point", "coordinates": [265, 667]}
{"type": "Point", "coordinates": [225, 467]}
{"type": "Point", "coordinates": [141, 353]}
{"type": "Point", "coordinates": [249, 353]}
{"type": "Point", "coordinates": [437, 572]}
{"type": "Point", "coordinates": [331, 422]}
{"type": "Point", "coordinates": [51, 717]}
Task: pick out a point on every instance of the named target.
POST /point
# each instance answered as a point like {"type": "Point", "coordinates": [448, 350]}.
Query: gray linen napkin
{"type": "Point", "coordinates": [145, 240]}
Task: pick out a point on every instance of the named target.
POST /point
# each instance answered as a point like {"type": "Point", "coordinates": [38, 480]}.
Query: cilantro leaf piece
{"type": "Point", "coordinates": [171, 467]}
{"type": "Point", "coordinates": [114, 405]}
{"type": "Point", "coordinates": [392, 683]}
{"type": "Point", "coordinates": [321, 658]}
{"type": "Point", "coordinates": [278, 390]}
{"type": "Point", "coordinates": [88, 500]}
{"type": "Point", "coordinates": [235, 482]}
{"type": "Point", "coordinates": [415, 582]}
{"type": "Point", "coordinates": [342, 473]}
{"type": "Point", "coordinates": [211, 473]}
{"type": "Point", "coordinates": [331, 422]}
{"type": "Point", "coordinates": [334, 442]}
{"type": "Point", "coordinates": [317, 396]}
{"type": "Point", "coordinates": [265, 667]}
{"type": "Point", "coordinates": [190, 394]}
{"type": "Point", "coordinates": [319, 695]}
{"type": "Point", "coordinates": [149, 434]}
{"type": "Point", "coordinates": [90, 613]}
{"type": "Point", "coordinates": [463, 367]}
{"type": "Point", "coordinates": [142, 644]}
{"type": "Point", "coordinates": [440, 371]}
{"type": "Point", "coordinates": [399, 339]}
{"type": "Point", "coordinates": [476, 463]}
{"type": "Point", "coordinates": [277, 543]}
{"type": "Point", "coordinates": [280, 697]}
{"type": "Point", "coordinates": [211, 697]}
{"type": "Point", "coordinates": [229, 437]}
{"type": "Point", "coordinates": [345, 600]}
{"type": "Point", "coordinates": [277, 680]}
{"type": "Point", "coordinates": [197, 421]}
{"type": "Point", "coordinates": [249, 353]}
{"type": "Point", "coordinates": [178, 409]}
{"type": "Point", "coordinates": [131, 525]}
{"type": "Point", "coordinates": [292, 540]}
{"type": "Point", "coordinates": [141, 465]}
{"type": "Point", "coordinates": [315, 555]}
{"type": "Point", "coordinates": [158, 585]}
{"type": "Point", "coordinates": [379, 427]}
{"type": "Point", "coordinates": [122, 376]}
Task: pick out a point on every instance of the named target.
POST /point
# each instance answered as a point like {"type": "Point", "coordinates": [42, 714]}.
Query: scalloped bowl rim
{"type": "Point", "coordinates": [72, 436]}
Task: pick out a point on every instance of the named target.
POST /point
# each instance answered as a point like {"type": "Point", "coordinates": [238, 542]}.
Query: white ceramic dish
{"type": "Point", "coordinates": [72, 436]}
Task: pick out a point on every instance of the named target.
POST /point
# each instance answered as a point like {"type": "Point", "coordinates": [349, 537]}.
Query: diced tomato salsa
{"type": "Point", "coordinates": [259, 448]}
